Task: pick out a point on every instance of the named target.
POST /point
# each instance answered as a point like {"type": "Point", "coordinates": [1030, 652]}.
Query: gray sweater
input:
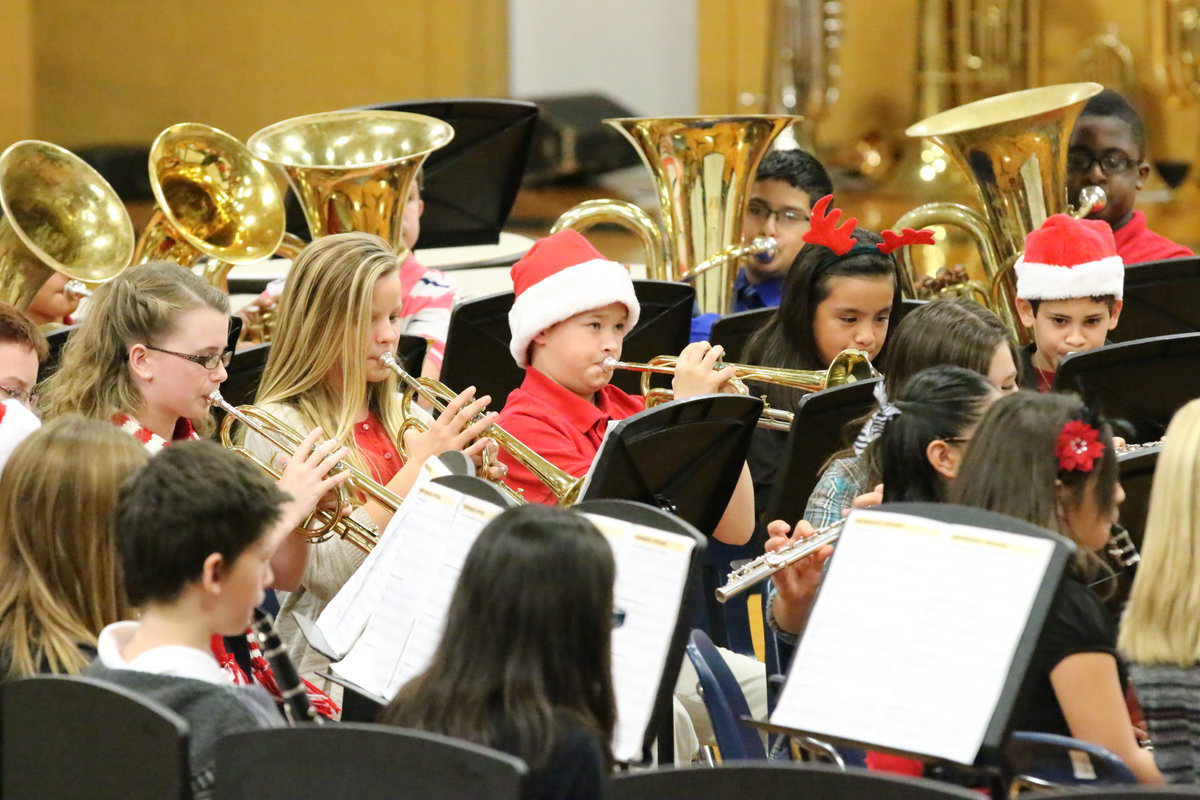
{"type": "Point", "coordinates": [211, 712]}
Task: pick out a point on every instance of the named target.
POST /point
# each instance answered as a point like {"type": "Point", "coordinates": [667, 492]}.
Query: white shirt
{"type": "Point", "coordinates": [176, 660]}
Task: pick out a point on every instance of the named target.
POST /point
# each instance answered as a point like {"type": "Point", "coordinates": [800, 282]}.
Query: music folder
{"type": "Point", "coordinates": [922, 631]}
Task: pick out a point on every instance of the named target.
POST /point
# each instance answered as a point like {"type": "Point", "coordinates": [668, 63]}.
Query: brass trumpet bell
{"type": "Point", "coordinates": [702, 169]}
{"type": "Point", "coordinates": [215, 200]}
{"type": "Point", "coordinates": [351, 169]}
{"type": "Point", "coordinates": [1013, 147]}
{"type": "Point", "coordinates": [57, 214]}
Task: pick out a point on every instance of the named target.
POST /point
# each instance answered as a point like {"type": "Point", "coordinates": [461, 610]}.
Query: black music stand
{"type": "Point", "coordinates": [818, 431]}
{"type": "Point", "coordinates": [1137, 385]}
{"type": "Point", "coordinates": [477, 343]}
{"type": "Point", "coordinates": [57, 339]}
{"type": "Point", "coordinates": [734, 331]}
{"type": "Point", "coordinates": [662, 719]}
{"type": "Point", "coordinates": [1137, 477]}
{"type": "Point", "coordinates": [1161, 298]}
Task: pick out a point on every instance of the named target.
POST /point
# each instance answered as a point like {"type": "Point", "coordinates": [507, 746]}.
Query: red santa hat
{"type": "Point", "coordinates": [16, 422]}
{"type": "Point", "coordinates": [563, 275]}
{"type": "Point", "coordinates": [1069, 257]}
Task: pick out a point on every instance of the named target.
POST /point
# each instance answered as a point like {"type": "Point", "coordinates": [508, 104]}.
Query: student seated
{"type": "Point", "coordinates": [196, 530]}
{"type": "Point", "coordinates": [786, 186]}
{"type": "Point", "coordinates": [60, 580]}
{"type": "Point", "coordinates": [525, 662]}
{"type": "Point", "coordinates": [1108, 149]}
{"type": "Point", "coordinates": [1069, 286]}
{"type": "Point", "coordinates": [1159, 633]}
{"type": "Point", "coordinates": [22, 349]}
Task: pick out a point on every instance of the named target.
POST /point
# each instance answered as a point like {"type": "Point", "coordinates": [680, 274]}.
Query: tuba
{"type": "Point", "coordinates": [351, 169]}
{"type": "Point", "coordinates": [702, 169]}
{"type": "Point", "coordinates": [214, 200]}
{"type": "Point", "coordinates": [57, 215]}
{"type": "Point", "coordinates": [1013, 147]}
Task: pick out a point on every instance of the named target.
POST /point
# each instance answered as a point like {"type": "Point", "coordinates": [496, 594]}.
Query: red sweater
{"type": "Point", "coordinates": [1137, 243]}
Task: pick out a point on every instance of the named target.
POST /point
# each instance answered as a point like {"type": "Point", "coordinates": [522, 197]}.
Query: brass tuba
{"type": "Point", "coordinates": [351, 169]}
{"type": "Point", "coordinates": [215, 200]}
{"type": "Point", "coordinates": [1013, 147]}
{"type": "Point", "coordinates": [57, 215]}
{"type": "Point", "coordinates": [702, 169]}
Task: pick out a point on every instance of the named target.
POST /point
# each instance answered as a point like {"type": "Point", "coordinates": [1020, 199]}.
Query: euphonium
{"type": "Point", "coordinates": [57, 215]}
{"type": "Point", "coordinates": [351, 169]}
{"type": "Point", "coordinates": [562, 484]}
{"type": "Point", "coordinates": [214, 200]}
{"type": "Point", "coordinates": [283, 438]}
{"type": "Point", "coordinates": [1014, 148]}
{"type": "Point", "coordinates": [702, 168]}
{"type": "Point", "coordinates": [847, 366]}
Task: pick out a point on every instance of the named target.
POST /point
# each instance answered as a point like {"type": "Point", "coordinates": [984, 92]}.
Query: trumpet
{"type": "Point", "coordinates": [328, 523]}
{"type": "Point", "coordinates": [565, 486]}
{"type": "Point", "coordinates": [848, 366]}
{"type": "Point", "coordinates": [766, 565]}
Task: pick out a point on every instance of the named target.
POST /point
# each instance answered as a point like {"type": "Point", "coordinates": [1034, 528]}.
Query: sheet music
{"type": "Point", "coordinates": [652, 569]}
{"type": "Point", "coordinates": [345, 617]}
{"type": "Point", "coordinates": [912, 636]}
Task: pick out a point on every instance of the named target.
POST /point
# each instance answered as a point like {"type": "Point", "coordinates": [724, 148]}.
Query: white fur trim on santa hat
{"type": "Point", "coordinates": [16, 423]}
{"type": "Point", "coordinates": [570, 291]}
{"type": "Point", "coordinates": [1052, 282]}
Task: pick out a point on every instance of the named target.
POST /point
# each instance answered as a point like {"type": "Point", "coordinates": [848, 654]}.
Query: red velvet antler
{"type": "Point", "coordinates": [892, 240]}
{"type": "Point", "coordinates": [824, 228]}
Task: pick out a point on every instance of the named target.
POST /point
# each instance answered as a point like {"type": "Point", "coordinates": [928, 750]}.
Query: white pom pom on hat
{"type": "Point", "coordinates": [563, 275]}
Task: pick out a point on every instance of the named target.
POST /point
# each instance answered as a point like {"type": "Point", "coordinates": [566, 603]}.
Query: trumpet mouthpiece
{"type": "Point", "coordinates": [215, 398]}
{"type": "Point", "coordinates": [610, 363]}
{"type": "Point", "coordinates": [387, 359]}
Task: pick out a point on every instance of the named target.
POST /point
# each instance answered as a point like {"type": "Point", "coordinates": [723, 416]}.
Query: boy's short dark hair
{"type": "Point", "coordinates": [192, 500]}
{"type": "Point", "coordinates": [16, 328]}
{"type": "Point", "coordinates": [798, 169]}
{"type": "Point", "coordinates": [1112, 104]}
{"type": "Point", "coordinates": [1108, 300]}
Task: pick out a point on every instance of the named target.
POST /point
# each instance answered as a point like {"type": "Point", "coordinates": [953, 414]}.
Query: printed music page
{"type": "Point", "coordinates": [913, 633]}
{"type": "Point", "coordinates": [418, 545]}
{"type": "Point", "coordinates": [652, 569]}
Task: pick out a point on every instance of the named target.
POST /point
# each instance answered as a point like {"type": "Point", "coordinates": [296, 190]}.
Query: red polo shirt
{"type": "Point", "coordinates": [1137, 243]}
{"type": "Point", "coordinates": [560, 426]}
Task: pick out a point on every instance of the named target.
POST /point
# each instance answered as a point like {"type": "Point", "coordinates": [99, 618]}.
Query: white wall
{"type": "Point", "coordinates": [641, 53]}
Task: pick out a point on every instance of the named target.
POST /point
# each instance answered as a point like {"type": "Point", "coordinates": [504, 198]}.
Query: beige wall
{"type": "Point", "coordinates": [122, 70]}
{"type": "Point", "coordinates": [16, 65]}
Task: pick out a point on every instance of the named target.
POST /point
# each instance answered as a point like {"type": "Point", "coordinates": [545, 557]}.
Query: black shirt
{"type": "Point", "coordinates": [574, 771]}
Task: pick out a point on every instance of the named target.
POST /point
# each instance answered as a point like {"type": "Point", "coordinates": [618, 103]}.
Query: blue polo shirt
{"type": "Point", "coordinates": [746, 297]}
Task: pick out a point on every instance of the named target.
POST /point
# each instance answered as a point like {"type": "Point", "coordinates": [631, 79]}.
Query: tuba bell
{"type": "Point", "coordinates": [57, 215]}
{"type": "Point", "coordinates": [351, 169]}
{"type": "Point", "coordinates": [214, 200]}
{"type": "Point", "coordinates": [702, 169]}
{"type": "Point", "coordinates": [1013, 148]}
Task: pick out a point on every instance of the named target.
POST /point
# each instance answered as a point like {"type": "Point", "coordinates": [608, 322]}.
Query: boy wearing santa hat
{"type": "Point", "coordinates": [1069, 286]}
{"type": "Point", "coordinates": [22, 349]}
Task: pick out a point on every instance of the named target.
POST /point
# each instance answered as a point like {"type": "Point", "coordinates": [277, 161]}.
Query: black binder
{"type": "Point", "coordinates": [1161, 298]}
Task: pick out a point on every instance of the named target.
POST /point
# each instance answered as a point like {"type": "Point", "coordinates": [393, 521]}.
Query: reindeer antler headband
{"type": "Point", "coordinates": [825, 231]}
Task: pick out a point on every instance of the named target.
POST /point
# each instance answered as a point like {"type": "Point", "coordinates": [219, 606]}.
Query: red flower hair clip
{"type": "Point", "coordinates": [892, 240]}
{"type": "Point", "coordinates": [824, 228]}
{"type": "Point", "coordinates": [1078, 446]}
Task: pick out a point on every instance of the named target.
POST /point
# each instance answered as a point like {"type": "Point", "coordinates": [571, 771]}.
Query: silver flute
{"type": "Point", "coordinates": [766, 565]}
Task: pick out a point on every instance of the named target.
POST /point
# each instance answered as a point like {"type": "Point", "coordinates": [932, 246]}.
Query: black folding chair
{"type": "Point", "coordinates": [773, 779]}
{"type": "Point", "coordinates": [1138, 385]}
{"type": "Point", "coordinates": [1161, 298]}
{"type": "Point", "coordinates": [477, 344]}
{"type": "Point", "coordinates": [73, 737]}
{"type": "Point", "coordinates": [734, 331]}
{"type": "Point", "coordinates": [368, 762]}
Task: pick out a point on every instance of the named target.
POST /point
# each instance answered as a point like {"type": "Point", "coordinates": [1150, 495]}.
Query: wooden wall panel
{"type": "Point", "coordinates": [16, 65]}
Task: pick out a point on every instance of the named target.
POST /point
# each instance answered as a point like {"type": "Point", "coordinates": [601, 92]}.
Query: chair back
{"type": "Point", "coordinates": [1035, 760]}
{"type": "Point", "coordinates": [56, 339]}
{"type": "Point", "coordinates": [733, 331]}
{"type": "Point", "coordinates": [477, 344]}
{"type": "Point", "coordinates": [724, 700]}
{"type": "Point", "coordinates": [1160, 298]}
{"type": "Point", "coordinates": [774, 779]}
{"type": "Point", "coordinates": [367, 762]}
{"type": "Point", "coordinates": [69, 736]}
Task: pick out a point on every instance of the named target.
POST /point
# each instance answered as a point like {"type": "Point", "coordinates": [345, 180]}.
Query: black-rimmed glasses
{"type": "Point", "coordinates": [208, 362]}
{"type": "Point", "coordinates": [784, 217]}
{"type": "Point", "coordinates": [1113, 162]}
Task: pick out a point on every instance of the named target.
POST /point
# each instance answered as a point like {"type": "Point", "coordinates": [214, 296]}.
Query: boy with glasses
{"type": "Point", "coordinates": [785, 187]}
{"type": "Point", "coordinates": [22, 349]}
{"type": "Point", "coordinates": [1108, 149]}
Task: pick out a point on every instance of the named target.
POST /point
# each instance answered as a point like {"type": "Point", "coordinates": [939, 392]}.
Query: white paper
{"type": "Point", "coordinates": [652, 568]}
{"type": "Point", "coordinates": [913, 633]}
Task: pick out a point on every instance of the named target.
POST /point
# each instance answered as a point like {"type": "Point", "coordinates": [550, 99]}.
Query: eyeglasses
{"type": "Point", "coordinates": [27, 399]}
{"type": "Point", "coordinates": [785, 218]}
{"type": "Point", "coordinates": [957, 439]}
{"type": "Point", "coordinates": [1114, 162]}
{"type": "Point", "coordinates": [208, 362]}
